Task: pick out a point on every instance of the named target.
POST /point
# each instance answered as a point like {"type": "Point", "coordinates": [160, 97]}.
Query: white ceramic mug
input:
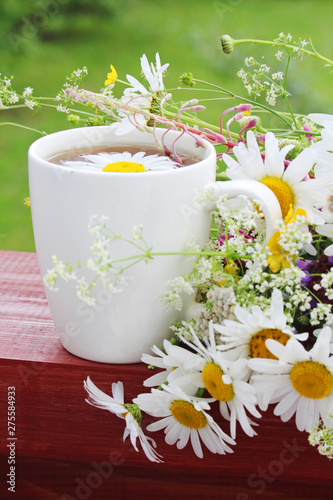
{"type": "Point", "coordinates": [122, 326]}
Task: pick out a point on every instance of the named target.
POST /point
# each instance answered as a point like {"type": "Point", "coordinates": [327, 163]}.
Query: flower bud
{"type": "Point", "coordinates": [227, 44]}
{"type": "Point", "coordinates": [298, 147]}
{"type": "Point", "coordinates": [249, 121]}
{"type": "Point", "coordinates": [243, 107]}
{"type": "Point", "coordinates": [187, 80]}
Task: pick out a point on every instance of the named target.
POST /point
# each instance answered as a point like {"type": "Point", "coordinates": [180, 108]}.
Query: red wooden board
{"type": "Point", "coordinates": [61, 439]}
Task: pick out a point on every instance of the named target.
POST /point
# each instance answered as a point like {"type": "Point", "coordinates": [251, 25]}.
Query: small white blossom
{"type": "Point", "coordinates": [277, 76]}
{"type": "Point", "coordinates": [27, 91]}
{"type": "Point", "coordinates": [30, 103]}
{"type": "Point", "coordinates": [137, 232]}
{"type": "Point", "coordinates": [13, 98]}
{"type": "Point", "coordinates": [279, 55]}
{"type": "Point", "coordinates": [62, 109]}
{"type": "Point", "coordinates": [172, 298]}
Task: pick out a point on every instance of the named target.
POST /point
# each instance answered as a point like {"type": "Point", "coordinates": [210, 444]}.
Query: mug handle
{"type": "Point", "coordinates": [255, 191]}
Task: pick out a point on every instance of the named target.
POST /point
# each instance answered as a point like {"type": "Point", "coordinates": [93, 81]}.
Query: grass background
{"type": "Point", "coordinates": [44, 41]}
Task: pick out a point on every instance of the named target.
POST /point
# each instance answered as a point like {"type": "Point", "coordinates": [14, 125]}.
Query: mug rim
{"type": "Point", "coordinates": [35, 155]}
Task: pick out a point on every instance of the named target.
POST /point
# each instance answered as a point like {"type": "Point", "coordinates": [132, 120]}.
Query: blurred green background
{"type": "Point", "coordinates": [43, 41]}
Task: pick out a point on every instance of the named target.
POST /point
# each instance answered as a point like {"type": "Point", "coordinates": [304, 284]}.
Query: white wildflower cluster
{"type": "Point", "coordinates": [97, 224]}
{"type": "Point", "coordinates": [277, 76]}
{"type": "Point", "coordinates": [205, 196]}
{"type": "Point", "coordinates": [74, 80]}
{"type": "Point", "coordinates": [76, 77]}
{"type": "Point", "coordinates": [80, 73]}
{"type": "Point", "coordinates": [172, 298]}
{"type": "Point", "coordinates": [101, 265]}
{"type": "Point", "coordinates": [322, 437]}
{"type": "Point", "coordinates": [272, 94]}
{"type": "Point", "coordinates": [193, 246]}
{"type": "Point", "coordinates": [7, 94]}
{"type": "Point", "coordinates": [295, 236]}
{"type": "Point", "coordinates": [137, 232]}
{"type": "Point", "coordinates": [258, 80]}
{"type": "Point", "coordinates": [182, 329]}
{"type": "Point", "coordinates": [27, 92]}
{"type": "Point", "coordinates": [285, 41]}
{"type": "Point", "coordinates": [321, 314]}
{"type": "Point", "coordinates": [202, 271]}
{"type": "Point", "coordinates": [83, 291]}
{"type": "Point", "coordinates": [61, 270]}
{"type": "Point", "coordinates": [237, 217]}
{"type": "Point", "coordinates": [213, 272]}
{"type": "Point", "coordinates": [279, 55]}
{"type": "Point", "coordinates": [300, 48]}
{"type": "Point", "coordinates": [30, 103]}
{"type": "Point", "coordinates": [62, 109]}
{"type": "Point", "coordinates": [112, 278]}
{"type": "Point", "coordinates": [258, 284]}
{"type": "Point", "coordinates": [327, 283]}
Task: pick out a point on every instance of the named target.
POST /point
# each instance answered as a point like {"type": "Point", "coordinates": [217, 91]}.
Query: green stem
{"type": "Point", "coordinates": [245, 99]}
{"type": "Point", "coordinates": [285, 96]}
{"type": "Point", "coordinates": [69, 109]}
{"type": "Point", "coordinates": [287, 46]}
{"type": "Point", "coordinates": [205, 253]}
{"type": "Point", "coordinates": [200, 392]}
{"type": "Point", "coordinates": [42, 132]}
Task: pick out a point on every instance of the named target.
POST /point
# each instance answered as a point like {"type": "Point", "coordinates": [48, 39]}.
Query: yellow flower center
{"type": "Point", "coordinates": [257, 344]}
{"type": "Point", "coordinates": [311, 379]}
{"type": "Point", "coordinates": [212, 379]}
{"type": "Point", "coordinates": [124, 166]}
{"type": "Point", "coordinates": [185, 413]}
{"type": "Point", "coordinates": [282, 191]}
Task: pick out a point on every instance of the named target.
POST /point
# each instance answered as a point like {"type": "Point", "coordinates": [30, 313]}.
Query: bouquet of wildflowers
{"type": "Point", "coordinates": [260, 330]}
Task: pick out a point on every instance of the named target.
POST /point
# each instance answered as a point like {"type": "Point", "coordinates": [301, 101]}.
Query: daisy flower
{"type": "Point", "coordinates": [299, 381]}
{"type": "Point", "coordinates": [321, 118]}
{"type": "Point", "coordinates": [184, 418]}
{"type": "Point", "coordinates": [153, 75]}
{"type": "Point", "coordinates": [288, 184]}
{"type": "Point", "coordinates": [248, 335]}
{"type": "Point", "coordinates": [326, 137]}
{"type": "Point", "coordinates": [129, 412]}
{"type": "Point", "coordinates": [172, 362]}
{"type": "Point", "coordinates": [226, 381]}
{"type": "Point", "coordinates": [121, 162]}
{"type": "Point", "coordinates": [137, 96]}
{"type": "Point", "coordinates": [136, 116]}
{"type": "Point", "coordinates": [326, 230]}
{"type": "Point", "coordinates": [324, 149]}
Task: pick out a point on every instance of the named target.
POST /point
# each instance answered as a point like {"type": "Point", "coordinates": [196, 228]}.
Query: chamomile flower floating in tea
{"type": "Point", "coordinates": [121, 162]}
